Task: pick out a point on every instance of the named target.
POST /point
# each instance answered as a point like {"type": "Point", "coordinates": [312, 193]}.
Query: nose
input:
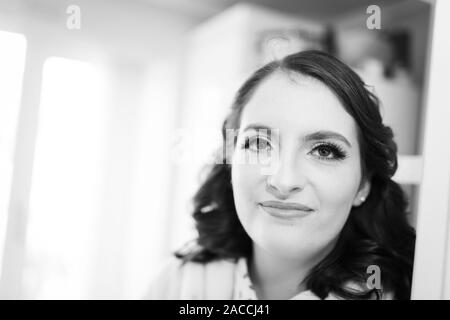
{"type": "Point", "coordinates": [287, 180]}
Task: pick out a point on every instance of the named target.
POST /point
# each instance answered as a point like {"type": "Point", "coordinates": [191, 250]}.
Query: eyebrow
{"type": "Point", "coordinates": [318, 135]}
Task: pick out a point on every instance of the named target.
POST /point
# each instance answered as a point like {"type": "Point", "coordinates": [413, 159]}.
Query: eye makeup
{"type": "Point", "coordinates": [323, 150]}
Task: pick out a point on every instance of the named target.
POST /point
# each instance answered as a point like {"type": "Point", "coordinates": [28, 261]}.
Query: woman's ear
{"type": "Point", "coordinates": [363, 193]}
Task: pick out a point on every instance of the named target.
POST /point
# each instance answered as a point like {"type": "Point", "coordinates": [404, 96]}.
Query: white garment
{"type": "Point", "coordinates": [243, 287]}
{"type": "Point", "coordinates": [215, 280]}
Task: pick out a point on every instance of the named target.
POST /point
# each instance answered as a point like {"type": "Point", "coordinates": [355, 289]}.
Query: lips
{"type": "Point", "coordinates": [286, 205]}
{"type": "Point", "coordinates": [285, 210]}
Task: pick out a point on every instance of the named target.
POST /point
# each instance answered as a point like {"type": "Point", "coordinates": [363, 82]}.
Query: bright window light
{"type": "Point", "coordinates": [12, 63]}
{"type": "Point", "coordinates": [151, 185]}
{"type": "Point", "coordinates": [67, 175]}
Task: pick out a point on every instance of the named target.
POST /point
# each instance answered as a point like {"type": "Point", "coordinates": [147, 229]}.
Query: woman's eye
{"type": "Point", "coordinates": [257, 144]}
{"type": "Point", "coordinates": [329, 152]}
{"type": "Point", "coordinates": [324, 151]}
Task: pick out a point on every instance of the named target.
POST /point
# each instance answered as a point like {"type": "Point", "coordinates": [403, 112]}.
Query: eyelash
{"type": "Point", "coordinates": [338, 151]}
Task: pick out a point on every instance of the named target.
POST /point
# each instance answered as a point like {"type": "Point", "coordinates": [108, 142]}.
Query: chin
{"type": "Point", "coordinates": [286, 247]}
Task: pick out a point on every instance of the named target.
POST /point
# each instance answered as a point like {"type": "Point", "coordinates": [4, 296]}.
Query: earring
{"type": "Point", "coordinates": [361, 200]}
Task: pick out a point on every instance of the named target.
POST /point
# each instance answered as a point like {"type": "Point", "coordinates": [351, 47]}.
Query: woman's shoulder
{"type": "Point", "coordinates": [181, 279]}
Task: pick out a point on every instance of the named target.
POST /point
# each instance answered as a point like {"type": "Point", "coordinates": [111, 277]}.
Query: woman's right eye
{"type": "Point", "coordinates": [256, 144]}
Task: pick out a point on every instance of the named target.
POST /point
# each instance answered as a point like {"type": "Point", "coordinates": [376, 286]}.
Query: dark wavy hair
{"type": "Point", "coordinates": [375, 233]}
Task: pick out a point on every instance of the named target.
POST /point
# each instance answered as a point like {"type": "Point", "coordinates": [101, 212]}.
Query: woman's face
{"type": "Point", "coordinates": [313, 153]}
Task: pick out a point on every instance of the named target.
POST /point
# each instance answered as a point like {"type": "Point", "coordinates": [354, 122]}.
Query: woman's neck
{"type": "Point", "coordinates": [276, 277]}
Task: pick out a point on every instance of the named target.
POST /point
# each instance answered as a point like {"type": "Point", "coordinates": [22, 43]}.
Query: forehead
{"type": "Point", "coordinates": [298, 105]}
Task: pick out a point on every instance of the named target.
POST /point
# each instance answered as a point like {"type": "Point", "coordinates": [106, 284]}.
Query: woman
{"type": "Point", "coordinates": [302, 205]}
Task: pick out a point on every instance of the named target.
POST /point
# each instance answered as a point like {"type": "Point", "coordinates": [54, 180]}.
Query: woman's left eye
{"type": "Point", "coordinates": [329, 151]}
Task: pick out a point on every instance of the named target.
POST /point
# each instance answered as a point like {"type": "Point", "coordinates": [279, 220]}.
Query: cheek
{"type": "Point", "coordinates": [336, 189]}
{"type": "Point", "coordinates": [244, 180]}
{"type": "Point", "coordinates": [247, 182]}
{"type": "Point", "coordinates": [245, 174]}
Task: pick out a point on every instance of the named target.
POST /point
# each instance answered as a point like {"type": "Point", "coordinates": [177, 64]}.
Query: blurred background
{"type": "Point", "coordinates": [110, 109]}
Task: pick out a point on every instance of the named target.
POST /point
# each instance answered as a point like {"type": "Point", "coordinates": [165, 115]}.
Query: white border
{"type": "Point", "coordinates": [429, 278]}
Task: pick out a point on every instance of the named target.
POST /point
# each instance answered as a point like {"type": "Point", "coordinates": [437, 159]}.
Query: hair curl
{"type": "Point", "coordinates": [375, 233]}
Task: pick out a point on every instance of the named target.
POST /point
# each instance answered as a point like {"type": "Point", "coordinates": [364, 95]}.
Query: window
{"type": "Point", "coordinates": [12, 63]}
{"type": "Point", "coordinates": [65, 193]}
